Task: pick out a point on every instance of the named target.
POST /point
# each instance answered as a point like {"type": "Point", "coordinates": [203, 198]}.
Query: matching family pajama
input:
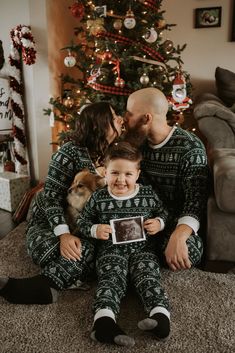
{"type": "Point", "coordinates": [48, 221]}
{"type": "Point", "coordinates": [177, 170]}
{"type": "Point", "coordinates": [116, 264]}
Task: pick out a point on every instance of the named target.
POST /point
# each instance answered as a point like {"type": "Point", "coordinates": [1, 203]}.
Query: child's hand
{"type": "Point", "coordinates": [103, 231]}
{"type": "Point", "coordinates": [152, 226]}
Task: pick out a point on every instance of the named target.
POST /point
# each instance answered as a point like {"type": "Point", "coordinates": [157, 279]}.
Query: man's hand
{"type": "Point", "coordinates": [176, 251]}
{"type": "Point", "coordinates": [70, 246]}
{"type": "Point", "coordinates": [103, 231]}
{"type": "Point", "coordinates": [152, 226]}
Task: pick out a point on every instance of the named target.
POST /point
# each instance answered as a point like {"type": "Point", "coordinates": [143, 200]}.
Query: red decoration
{"type": "Point", "coordinates": [111, 89]}
{"type": "Point", "coordinates": [77, 10]}
{"type": "Point", "coordinates": [116, 37]}
{"type": "Point", "coordinates": [107, 55]}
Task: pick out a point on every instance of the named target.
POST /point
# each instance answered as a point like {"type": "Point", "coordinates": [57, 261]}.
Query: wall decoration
{"type": "Point", "coordinates": [233, 23]}
{"type": "Point", "coordinates": [206, 17]}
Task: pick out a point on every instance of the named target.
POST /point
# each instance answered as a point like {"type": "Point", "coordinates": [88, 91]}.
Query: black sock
{"type": "Point", "coordinates": [33, 290]}
{"type": "Point", "coordinates": [105, 330]}
{"type": "Point", "coordinates": [158, 324]}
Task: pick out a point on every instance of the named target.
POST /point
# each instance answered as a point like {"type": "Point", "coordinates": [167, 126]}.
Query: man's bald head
{"type": "Point", "coordinates": [149, 100]}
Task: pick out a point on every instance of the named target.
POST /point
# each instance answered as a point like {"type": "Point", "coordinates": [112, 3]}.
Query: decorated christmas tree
{"type": "Point", "coordinates": [118, 47]}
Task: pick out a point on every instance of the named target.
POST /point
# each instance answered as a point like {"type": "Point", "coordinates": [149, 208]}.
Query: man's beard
{"type": "Point", "coordinates": [136, 135]}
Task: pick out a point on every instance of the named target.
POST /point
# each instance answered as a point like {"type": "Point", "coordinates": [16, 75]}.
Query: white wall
{"type": "Point", "coordinates": [206, 48]}
{"type": "Point", "coordinates": [36, 77]}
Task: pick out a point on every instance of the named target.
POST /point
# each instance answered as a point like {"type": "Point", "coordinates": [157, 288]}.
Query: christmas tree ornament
{"type": "Point", "coordinates": [117, 24]}
{"type": "Point", "coordinates": [179, 100]}
{"type": "Point", "coordinates": [144, 79]}
{"type": "Point", "coordinates": [77, 10]}
{"type": "Point", "coordinates": [68, 102]}
{"type": "Point", "coordinates": [129, 21]}
{"type": "Point", "coordinates": [95, 26]}
{"type": "Point", "coordinates": [161, 23]}
{"type": "Point", "coordinates": [119, 82]}
{"type": "Point", "coordinates": [107, 55]}
{"type": "Point", "coordinates": [151, 35]}
{"type": "Point", "coordinates": [168, 46]}
{"type": "Point", "coordinates": [70, 60]}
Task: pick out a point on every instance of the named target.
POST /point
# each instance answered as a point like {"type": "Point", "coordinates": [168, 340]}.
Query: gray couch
{"type": "Point", "coordinates": [217, 123]}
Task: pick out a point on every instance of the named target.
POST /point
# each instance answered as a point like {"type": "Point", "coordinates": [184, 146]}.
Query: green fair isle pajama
{"type": "Point", "coordinates": [117, 263]}
{"type": "Point", "coordinates": [43, 243]}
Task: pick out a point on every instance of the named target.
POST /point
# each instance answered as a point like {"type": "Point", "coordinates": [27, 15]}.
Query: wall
{"type": "Point", "coordinates": [36, 77]}
{"type": "Point", "coordinates": [206, 48]}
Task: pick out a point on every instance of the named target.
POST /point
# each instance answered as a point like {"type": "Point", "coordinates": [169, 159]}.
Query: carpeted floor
{"type": "Point", "coordinates": [203, 313]}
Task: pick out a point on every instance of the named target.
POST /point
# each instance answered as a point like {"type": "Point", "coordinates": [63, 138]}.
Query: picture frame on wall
{"type": "Point", "coordinates": [233, 24]}
{"type": "Point", "coordinates": [207, 17]}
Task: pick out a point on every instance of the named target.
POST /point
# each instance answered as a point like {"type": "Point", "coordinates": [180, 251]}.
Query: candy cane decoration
{"type": "Point", "coordinates": [22, 49]}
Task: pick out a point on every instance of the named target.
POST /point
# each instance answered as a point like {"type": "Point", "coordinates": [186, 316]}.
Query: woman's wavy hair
{"type": "Point", "coordinates": [92, 127]}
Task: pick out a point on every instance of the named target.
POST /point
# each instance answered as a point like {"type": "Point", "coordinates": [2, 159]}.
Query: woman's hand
{"type": "Point", "coordinates": [103, 231]}
{"type": "Point", "coordinates": [152, 226]}
{"type": "Point", "coordinates": [70, 247]}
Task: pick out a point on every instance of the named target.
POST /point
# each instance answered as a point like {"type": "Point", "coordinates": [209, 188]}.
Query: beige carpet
{"type": "Point", "coordinates": [203, 313]}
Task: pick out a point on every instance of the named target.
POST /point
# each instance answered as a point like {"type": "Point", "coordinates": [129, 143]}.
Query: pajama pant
{"type": "Point", "coordinates": [44, 248]}
{"type": "Point", "coordinates": [116, 264]}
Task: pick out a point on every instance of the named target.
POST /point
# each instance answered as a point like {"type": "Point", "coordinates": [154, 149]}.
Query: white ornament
{"type": "Point", "coordinates": [70, 61]}
{"type": "Point", "coordinates": [151, 35]}
{"type": "Point", "coordinates": [144, 79]}
{"type": "Point", "coordinates": [129, 21]}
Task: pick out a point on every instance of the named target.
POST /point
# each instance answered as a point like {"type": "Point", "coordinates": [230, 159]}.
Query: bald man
{"type": "Point", "coordinates": [175, 164]}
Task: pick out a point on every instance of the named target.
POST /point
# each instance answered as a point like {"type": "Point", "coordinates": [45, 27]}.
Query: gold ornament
{"type": "Point", "coordinates": [161, 23]}
{"type": "Point", "coordinates": [168, 46]}
{"type": "Point", "coordinates": [95, 26]}
{"type": "Point", "coordinates": [119, 82]}
{"type": "Point", "coordinates": [117, 24]}
{"type": "Point", "coordinates": [68, 102]}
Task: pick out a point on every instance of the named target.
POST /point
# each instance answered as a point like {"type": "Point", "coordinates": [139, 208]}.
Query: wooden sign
{"type": "Point", "coordinates": [6, 113]}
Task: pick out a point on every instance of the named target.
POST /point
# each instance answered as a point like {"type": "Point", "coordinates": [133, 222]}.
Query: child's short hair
{"type": "Point", "coordinates": [123, 149]}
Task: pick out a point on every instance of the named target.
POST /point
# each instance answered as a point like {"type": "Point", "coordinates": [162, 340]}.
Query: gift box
{"type": "Point", "coordinates": [12, 188]}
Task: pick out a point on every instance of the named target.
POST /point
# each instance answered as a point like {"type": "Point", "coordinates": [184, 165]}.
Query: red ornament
{"type": "Point", "coordinates": [77, 10]}
{"type": "Point", "coordinates": [107, 55]}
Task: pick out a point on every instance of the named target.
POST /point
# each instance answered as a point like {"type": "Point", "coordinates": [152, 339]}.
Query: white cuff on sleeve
{"type": "Point", "coordinates": [61, 229]}
{"type": "Point", "coordinates": [162, 224]}
{"type": "Point", "coordinates": [189, 221]}
{"type": "Point", "coordinates": [93, 231]}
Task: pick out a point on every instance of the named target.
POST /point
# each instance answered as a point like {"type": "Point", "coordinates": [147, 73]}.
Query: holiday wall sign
{"type": "Point", "coordinates": [6, 113]}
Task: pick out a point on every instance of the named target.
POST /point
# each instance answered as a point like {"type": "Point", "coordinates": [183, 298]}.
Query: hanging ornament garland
{"type": "Point", "coordinates": [22, 49]}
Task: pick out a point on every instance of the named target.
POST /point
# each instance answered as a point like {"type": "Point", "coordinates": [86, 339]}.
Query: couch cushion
{"type": "Point", "coordinates": [224, 178]}
{"type": "Point", "coordinates": [220, 233]}
{"type": "Point", "coordinates": [225, 83]}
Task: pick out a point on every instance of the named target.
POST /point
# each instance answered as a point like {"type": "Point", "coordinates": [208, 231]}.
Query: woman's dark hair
{"type": "Point", "coordinates": [123, 149]}
{"type": "Point", "coordinates": [92, 126]}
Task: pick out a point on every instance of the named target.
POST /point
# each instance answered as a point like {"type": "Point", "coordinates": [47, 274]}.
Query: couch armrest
{"type": "Point", "coordinates": [223, 162]}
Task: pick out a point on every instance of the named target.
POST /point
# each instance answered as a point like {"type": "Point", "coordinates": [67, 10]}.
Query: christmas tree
{"type": "Point", "coordinates": [119, 47]}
